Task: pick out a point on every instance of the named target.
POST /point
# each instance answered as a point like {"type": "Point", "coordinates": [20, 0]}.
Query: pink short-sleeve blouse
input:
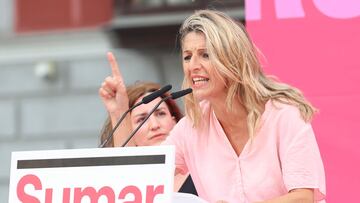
{"type": "Point", "coordinates": [284, 155]}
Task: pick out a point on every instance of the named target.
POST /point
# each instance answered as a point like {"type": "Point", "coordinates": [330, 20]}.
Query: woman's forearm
{"type": "Point", "coordinates": [122, 132]}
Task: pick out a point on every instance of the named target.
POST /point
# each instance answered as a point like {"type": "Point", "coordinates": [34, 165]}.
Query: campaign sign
{"type": "Point", "coordinates": [124, 175]}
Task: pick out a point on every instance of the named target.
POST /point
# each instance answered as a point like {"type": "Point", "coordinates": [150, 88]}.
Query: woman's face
{"type": "Point", "coordinates": [198, 69]}
{"type": "Point", "coordinates": [156, 128]}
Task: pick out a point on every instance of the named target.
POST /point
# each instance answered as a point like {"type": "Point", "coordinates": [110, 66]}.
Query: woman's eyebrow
{"type": "Point", "coordinates": [140, 115]}
{"type": "Point", "coordinates": [145, 114]}
{"type": "Point", "coordinates": [198, 49]}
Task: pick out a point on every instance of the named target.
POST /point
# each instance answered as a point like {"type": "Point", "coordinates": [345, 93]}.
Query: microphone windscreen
{"type": "Point", "coordinates": [156, 94]}
{"type": "Point", "coordinates": [181, 93]}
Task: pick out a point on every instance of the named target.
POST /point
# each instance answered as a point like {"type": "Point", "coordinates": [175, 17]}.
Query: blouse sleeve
{"type": "Point", "coordinates": [301, 161]}
{"type": "Point", "coordinates": [177, 139]}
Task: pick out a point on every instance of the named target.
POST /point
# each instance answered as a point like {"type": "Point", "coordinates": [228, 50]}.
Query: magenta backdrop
{"type": "Point", "coordinates": [315, 45]}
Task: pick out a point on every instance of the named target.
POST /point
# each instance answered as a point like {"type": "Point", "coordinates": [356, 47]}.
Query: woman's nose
{"type": "Point", "coordinates": [194, 63]}
{"type": "Point", "coordinates": [153, 123]}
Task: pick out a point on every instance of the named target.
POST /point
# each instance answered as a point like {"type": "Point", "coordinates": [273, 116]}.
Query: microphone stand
{"type": "Point", "coordinates": [111, 134]}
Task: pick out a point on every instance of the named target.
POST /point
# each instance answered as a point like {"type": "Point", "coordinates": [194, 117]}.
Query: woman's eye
{"type": "Point", "coordinates": [139, 120]}
{"type": "Point", "coordinates": [186, 58]}
{"type": "Point", "coordinates": [161, 113]}
{"type": "Point", "coordinates": [205, 55]}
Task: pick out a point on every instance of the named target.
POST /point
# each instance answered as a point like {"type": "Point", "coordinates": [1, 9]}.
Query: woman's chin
{"type": "Point", "coordinates": [157, 141]}
{"type": "Point", "coordinates": [199, 96]}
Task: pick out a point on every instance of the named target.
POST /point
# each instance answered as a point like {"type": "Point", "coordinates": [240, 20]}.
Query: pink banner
{"type": "Point", "coordinates": [314, 45]}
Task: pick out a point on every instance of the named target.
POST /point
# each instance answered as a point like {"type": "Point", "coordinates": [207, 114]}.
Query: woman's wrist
{"type": "Point", "coordinates": [115, 115]}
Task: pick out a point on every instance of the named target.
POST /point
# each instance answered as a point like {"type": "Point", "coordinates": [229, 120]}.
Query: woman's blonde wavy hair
{"type": "Point", "coordinates": [235, 58]}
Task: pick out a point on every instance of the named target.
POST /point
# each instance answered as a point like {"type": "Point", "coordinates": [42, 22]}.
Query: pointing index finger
{"type": "Point", "coordinates": [114, 66]}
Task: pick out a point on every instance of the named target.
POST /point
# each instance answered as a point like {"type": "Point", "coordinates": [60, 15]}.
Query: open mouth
{"type": "Point", "coordinates": [198, 81]}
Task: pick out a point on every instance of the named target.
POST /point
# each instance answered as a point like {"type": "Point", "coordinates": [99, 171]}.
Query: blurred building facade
{"type": "Point", "coordinates": [53, 60]}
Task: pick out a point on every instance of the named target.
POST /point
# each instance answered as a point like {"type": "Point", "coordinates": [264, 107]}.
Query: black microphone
{"type": "Point", "coordinates": [180, 93]}
{"type": "Point", "coordinates": [174, 95]}
{"type": "Point", "coordinates": [144, 100]}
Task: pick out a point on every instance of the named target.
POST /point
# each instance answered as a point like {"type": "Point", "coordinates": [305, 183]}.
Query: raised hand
{"type": "Point", "coordinates": [113, 91]}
